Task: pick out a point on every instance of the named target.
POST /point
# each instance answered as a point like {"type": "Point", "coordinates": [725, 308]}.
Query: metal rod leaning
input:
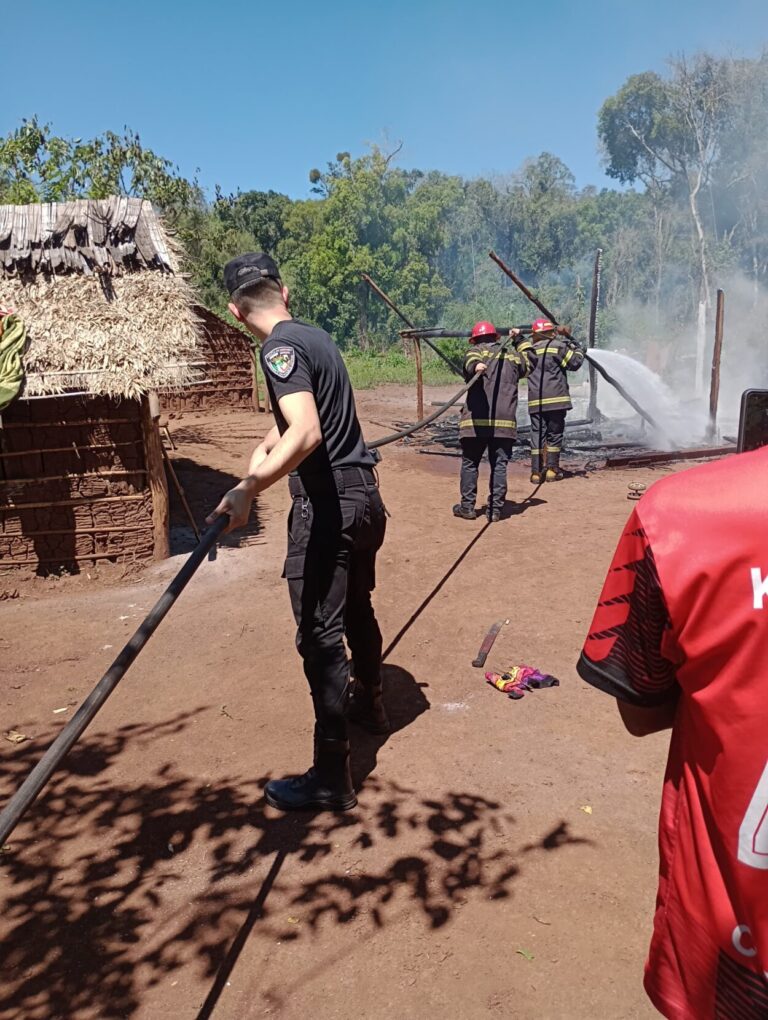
{"type": "Point", "coordinates": [42, 772]}
{"type": "Point", "coordinates": [566, 332]}
{"type": "Point", "coordinates": [442, 408]}
{"type": "Point", "coordinates": [391, 304]}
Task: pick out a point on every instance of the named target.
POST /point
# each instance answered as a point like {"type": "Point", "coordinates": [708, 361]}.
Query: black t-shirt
{"type": "Point", "coordinates": [299, 358]}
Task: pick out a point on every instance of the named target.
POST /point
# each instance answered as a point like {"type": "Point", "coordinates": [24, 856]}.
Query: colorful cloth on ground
{"type": "Point", "coordinates": [518, 679]}
{"type": "Point", "coordinates": [13, 337]}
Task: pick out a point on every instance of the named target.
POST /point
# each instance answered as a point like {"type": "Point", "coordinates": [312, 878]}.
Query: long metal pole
{"type": "Point", "coordinates": [714, 388]}
{"type": "Point", "coordinates": [42, 772]}
{"type": "Point", "coordinates": [435, 332]}
{"type": "Point", "coordinates": [603, 372]}
{"type": "Point", "coordinates": [594, 304]}
{"type": "Point", "coordinates": [391, 304]}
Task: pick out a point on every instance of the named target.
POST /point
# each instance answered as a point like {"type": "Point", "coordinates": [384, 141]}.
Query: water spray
{"type": "Point", "coordinates": [589, 355]}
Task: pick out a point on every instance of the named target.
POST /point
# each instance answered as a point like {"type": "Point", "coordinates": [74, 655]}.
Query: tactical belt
{"type": "Point", "coordinates": [339, 479]}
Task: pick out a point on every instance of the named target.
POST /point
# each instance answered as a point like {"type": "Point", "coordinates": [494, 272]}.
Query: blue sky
{"type": "Point", "coordinates": [253, 95]}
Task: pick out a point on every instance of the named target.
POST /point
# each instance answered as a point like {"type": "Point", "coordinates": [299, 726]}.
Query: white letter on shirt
{"type": "Point", "coordinates": [759, 587]}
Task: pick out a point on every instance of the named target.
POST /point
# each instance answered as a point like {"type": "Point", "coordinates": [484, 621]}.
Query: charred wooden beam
{"type": "Point", "coordinates": [669, 456]}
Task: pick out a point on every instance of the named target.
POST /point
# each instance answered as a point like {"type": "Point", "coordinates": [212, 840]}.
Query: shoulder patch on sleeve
{"type": "Point", "coordinates": [281, 361]}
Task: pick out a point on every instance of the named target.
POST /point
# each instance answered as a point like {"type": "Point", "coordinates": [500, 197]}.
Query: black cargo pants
{"type": "Point", "coordinates": [547, 432]}
{"type": "Point", "coordinates": [499, 452]}
{"type": "Point", "coordinates": [335, 528]}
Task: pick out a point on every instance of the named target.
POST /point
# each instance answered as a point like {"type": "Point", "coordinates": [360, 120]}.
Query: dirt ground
{"type": "Point", "coordinates": [502, 858]}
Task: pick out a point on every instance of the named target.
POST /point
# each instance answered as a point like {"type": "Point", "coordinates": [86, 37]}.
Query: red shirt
{"type": "Point", "coordinates": [684, 614]}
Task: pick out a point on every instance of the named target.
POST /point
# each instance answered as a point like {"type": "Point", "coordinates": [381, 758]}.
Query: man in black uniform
{"type": "Point", "coordinates": [335, 528]}
{"type": "Point", "coordinates": [488, 420]}
{"type": "Point", "coordinates": [549, 398]}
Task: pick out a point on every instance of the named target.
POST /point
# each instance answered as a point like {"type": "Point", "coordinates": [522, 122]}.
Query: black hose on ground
{"type": "Point", "coordinates": [404, 433]}
{"type": "Point", "coordinates": [42, 772]}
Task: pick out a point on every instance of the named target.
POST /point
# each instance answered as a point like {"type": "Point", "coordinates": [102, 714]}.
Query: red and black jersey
{"type": "Point", "coordinates": [684, 614]}
{"type": "Point", "coordinates": [548, 383]}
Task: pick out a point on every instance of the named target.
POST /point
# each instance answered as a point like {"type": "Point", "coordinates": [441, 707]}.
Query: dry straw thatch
{"type": "Point", "coordinates": [98, 285]}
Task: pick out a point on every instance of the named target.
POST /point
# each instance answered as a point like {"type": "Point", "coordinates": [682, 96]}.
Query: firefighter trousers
{"type": "Point", "coordinates": [335, 530]}
{"type": "Point", "coordinates": [547, 433]}
{"type": "Point", "coordinates": [499, 452]}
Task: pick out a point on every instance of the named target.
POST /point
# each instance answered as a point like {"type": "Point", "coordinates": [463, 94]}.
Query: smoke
{"type": "Point", "coordinates": [670, 351]}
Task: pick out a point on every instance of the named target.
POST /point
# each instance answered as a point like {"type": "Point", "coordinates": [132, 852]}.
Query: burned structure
{"type": "Point", "coordinates": [109, 319]}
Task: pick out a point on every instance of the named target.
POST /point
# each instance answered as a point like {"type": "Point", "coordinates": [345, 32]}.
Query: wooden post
{"type": "Point", "coordinates": [593, 307]}
{"type": "Point", "coordinates": [714, 387]}
{"type": "Point", "coordinates": [419, 381]}
{"type": "Point", "coordinates": [158, 483]}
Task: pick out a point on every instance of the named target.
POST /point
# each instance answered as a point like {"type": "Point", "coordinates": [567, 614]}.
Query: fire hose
{"type": "Point", "coordinates": [73, 730]}
{"type": "Point", "coordinates": [42, 772]}
{"type": "Point", "coordinates": [566, 332]}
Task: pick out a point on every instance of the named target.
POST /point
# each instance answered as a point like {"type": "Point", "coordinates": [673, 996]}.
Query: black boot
{"type": "Point", "coordinates": [366, 709]}
{"type": "Point", "coordinates": [554, 474]}
{"type": "Point", "coordinates": [327, 785]}
{"type": "Point", "coordinates": [468, 513]}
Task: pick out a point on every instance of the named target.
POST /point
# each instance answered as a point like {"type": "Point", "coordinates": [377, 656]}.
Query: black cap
{"type": "Point", "coordinates": [249, 269]}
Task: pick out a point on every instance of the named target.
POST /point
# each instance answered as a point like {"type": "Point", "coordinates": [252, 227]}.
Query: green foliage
{"type": "Point", "coordinates": [690, 149]}
{"type": "Point", "coordinates": [36, 165]}
{"type": "Point", "coordinates": [374, 368]}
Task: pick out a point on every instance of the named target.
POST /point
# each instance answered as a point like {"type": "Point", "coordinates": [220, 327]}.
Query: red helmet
{"type": "Point", "coordinates": [543, 326]}
{"type": "Point", "coordinates": [483, 329]}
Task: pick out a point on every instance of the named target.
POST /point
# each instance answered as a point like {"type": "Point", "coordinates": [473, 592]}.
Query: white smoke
{"type": "Point", "coordinates": [671, 353]}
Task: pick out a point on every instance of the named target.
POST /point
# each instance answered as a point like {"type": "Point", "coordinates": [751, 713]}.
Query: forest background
{"type": "Point", "coordinates": [688, 151]}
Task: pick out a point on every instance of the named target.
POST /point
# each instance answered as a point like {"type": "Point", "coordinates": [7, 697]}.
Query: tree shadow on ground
{"type": "Point", "coordinates": [203, 487]}
{"type": "Point", "coordinates": [116, 881]}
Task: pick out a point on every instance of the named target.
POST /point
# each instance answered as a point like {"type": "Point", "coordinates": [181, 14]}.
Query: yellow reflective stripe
{"type": "Point", "coordinates": [501, 423]}
{"type": "Point", "coordinates": [568, 356]}
{"type": "Point", "coordinates": [549, 400]}
{"type": "Point", "coordinates": [547, 350]}
{"type": "Point", "coordinates": [535, 451]}
{"type": "Point", "coordinates": [553, 449]}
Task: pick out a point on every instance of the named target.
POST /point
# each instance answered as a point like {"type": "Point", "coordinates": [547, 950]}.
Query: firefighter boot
{"type": "Point", "coordinates": [468, 513]}
{"type": "Point", "coordinates": [366, 708]}
{"type": "Point", "coordinates": [554, 474]}
{"type": "Point", "coordinates": [326, 786]}
{"type": "Point", "coordinates": [536, 477]}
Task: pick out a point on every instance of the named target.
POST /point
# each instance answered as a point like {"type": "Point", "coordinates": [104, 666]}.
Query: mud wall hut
{"type": "Point", "coordinates": [228, 368]}
{"type": "Point", "coordinates": [109, 319]}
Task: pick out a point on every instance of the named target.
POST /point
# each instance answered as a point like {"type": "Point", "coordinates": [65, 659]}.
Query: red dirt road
{"type": "Point", "coordinates": [502, 859]}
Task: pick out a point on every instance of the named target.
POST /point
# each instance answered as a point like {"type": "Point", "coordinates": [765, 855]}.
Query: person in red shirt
{"type": "Point", "coordinates": [680, 639]}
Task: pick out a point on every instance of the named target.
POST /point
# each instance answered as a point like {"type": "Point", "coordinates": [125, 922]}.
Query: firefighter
{"type": "Point", "coordinates": [488, 418]}
{"type": "Point", "coordinates": [549, 398]}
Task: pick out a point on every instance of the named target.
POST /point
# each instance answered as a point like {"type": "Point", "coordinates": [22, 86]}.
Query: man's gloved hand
{"type": "Point", "coordinates": [517, 337]}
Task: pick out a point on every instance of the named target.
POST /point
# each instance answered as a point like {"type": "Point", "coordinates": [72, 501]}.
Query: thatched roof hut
{"type": "Point", "coordinates": [109, 318]}
{"type": "Point", "coordinates": [99, 287]}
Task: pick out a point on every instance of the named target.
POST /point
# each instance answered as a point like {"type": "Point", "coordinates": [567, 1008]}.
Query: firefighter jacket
{"type": "Point", "coordinates": [548, 383]}
{"type": "Point", "coordinates": [490, 411]}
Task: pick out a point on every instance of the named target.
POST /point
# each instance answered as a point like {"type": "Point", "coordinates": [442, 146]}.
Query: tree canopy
{"type": "Point", "coordinates": [688, 149]}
